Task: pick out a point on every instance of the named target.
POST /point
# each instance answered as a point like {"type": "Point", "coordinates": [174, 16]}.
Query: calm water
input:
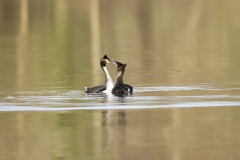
{"type": "Point", "coordinates": [183, 60]}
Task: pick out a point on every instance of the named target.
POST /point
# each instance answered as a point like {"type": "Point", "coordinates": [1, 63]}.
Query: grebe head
{"type": "Point", "coordinates": [120, 66]}
{"type": "Point", "coordinates": [104, 60]}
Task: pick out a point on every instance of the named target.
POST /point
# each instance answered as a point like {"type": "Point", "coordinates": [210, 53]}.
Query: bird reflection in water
{"type": "Point", "coordinates": [106, 115]}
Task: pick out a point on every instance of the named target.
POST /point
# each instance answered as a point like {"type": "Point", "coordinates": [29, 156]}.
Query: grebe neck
{"type": "Point", "coordinates": [109, 81]}
{"type": "Point", "coordinates": [119, 79]}
{"type": "Point", "coordinates": [107, 75]}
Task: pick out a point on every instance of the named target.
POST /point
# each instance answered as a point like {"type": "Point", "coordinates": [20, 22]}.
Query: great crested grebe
{"type": "Point", "coordinates": [108, 85]}
{"type": "Point", "coordinates": [119, 86]}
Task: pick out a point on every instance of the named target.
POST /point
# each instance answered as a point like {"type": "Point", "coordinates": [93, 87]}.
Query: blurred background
{"type": "Point", "coordinates": [59, 43]}
{"type": "Point", "coordinates": [50, 50]}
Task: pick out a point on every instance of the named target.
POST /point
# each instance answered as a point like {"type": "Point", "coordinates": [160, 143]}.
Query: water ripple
{"type": "Point", "coordinates": [143, 98]}
{"type": "Point", "coordinates": [120, 107]}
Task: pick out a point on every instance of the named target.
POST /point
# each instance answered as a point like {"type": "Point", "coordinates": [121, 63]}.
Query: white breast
{"type": "Point", "coordinates": [109, 83]}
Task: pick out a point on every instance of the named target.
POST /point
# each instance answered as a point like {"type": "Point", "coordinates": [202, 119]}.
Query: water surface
{"type": "Point", "coordinates": [182, 60]}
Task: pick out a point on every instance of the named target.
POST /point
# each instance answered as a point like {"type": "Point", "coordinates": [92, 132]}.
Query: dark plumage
{"type": "Point", "coordinates": [119, 86]}
{"type": "Point", "coordinates": [96, 89]}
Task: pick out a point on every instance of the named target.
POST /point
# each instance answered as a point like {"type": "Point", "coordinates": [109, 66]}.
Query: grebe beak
{"type": "Point", "coordinates": [118, 64]}
{"type": "Point", "coordinates": [113, 62]}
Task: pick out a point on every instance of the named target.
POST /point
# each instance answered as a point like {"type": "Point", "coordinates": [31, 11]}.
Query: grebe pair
{"type": "Point", "coordinates": [107, 87]}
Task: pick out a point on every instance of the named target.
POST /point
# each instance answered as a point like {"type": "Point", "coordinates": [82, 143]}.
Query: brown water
{"type": "Point", "coordinates": [182, 60]}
